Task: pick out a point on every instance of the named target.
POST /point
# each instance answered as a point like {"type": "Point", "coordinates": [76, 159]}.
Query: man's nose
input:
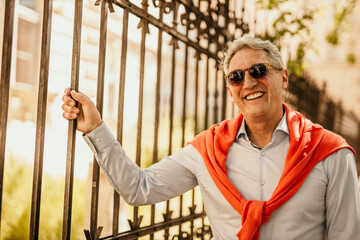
{"type": "Point", "coordinates": [249, 82]}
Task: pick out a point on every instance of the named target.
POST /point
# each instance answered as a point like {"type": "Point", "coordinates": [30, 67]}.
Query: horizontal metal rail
{"type": "Point", "coordinates": [143, 231]}
{"type": "Point", "coordinates": [161, 25]}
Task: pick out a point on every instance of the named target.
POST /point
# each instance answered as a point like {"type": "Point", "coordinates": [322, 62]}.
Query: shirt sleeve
{"type": "Point", "coordinates": [342, 197]}
{"type": "Point", "coordinates": [164, 180]}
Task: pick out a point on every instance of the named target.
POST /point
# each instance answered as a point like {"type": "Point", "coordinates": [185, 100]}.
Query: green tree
{"type": "Point", "coordinates": [16, 206]}
{"type": "Point", "coordinates": [298, 25]}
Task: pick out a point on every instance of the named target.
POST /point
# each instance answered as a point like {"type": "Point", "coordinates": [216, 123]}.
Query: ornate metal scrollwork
{"type": "Point", "coordinates": [189, 19]}
{"type": "Point", "coordinates": [238, 22]}
{"type": "Point", "coordinates": [210, 19]}
{"type": "Point", "coordinates": [182, 236]}
{"type": "Point", "coordinates": [203, 231]}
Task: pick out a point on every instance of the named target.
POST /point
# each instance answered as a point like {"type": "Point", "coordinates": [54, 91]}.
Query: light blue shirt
{"type": "Point", "coordinates": [328, 201]}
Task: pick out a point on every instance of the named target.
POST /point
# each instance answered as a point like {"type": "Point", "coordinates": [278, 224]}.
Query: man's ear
{"type": "Point", "coordinates": [285, 79]}
{"type": "Point", "coordinates": [230, 92]}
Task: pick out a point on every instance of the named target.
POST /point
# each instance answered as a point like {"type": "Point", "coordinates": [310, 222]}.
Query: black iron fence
{"type": "Point", "coordinates": [314, 102]}
{"type": "Point", "coordinates": [197, 32]}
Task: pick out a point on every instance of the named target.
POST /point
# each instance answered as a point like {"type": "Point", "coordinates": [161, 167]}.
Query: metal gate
{"type": "Point", "coordinates": [196, 31]}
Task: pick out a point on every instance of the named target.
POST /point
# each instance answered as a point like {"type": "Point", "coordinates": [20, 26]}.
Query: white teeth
{"type": "Point", "coordinates": [255, 95]}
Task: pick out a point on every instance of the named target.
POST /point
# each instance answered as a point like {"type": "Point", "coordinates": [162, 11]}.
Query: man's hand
{"type": "Point", "coordinates": [88, 117]}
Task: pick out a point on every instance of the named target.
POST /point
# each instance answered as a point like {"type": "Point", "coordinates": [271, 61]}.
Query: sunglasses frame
{"type": "Point", "coordinates": [267, 65]}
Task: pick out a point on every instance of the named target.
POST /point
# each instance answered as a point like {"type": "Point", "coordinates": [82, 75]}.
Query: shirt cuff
{"type": "Point", "coordinates": [99, 138]}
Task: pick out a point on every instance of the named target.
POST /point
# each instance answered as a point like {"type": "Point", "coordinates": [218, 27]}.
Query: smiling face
{"type": "Point", "coordinates": [257, 99]}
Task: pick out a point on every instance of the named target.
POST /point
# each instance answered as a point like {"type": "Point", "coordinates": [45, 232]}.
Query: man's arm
{"type": "Point", "coordinates": [342, 197]}
{"type": "Point", "coordinates": [164, 180]}
{"type": "Point", "coordinates": [167, 179]}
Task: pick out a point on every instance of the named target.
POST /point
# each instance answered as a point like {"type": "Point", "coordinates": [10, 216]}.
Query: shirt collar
{"type": "Point", "coordinates": [282, 127]}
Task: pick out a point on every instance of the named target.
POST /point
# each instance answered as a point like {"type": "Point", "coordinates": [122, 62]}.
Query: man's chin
{"type": "Point", "coordinates": [255, 113]}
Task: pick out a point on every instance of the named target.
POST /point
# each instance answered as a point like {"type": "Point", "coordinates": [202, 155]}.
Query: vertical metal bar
{"type": "Point", "coordinates": [172, 90]}
{"type": "Point", "coordinates": [184, 116]}
{"type": "Point", "coordinates": [120, 121]}
{"type": "Point", "coordinates": [224, 94]}
{"type": "Point", "coordinates": [255, 20]}
{"type": "Point", "coordinates": [171, 119]}
{"type": "Point", "coordinates": [196, 92]}
{"type": "Point", "coordinates": [75, 69]}
{"type": "Point", "coordinates": [157, 104]}
{"type": "Point", "coordinates": [184, 89]}
{"type": "Point", "coordinates": [224, 84]}
{"type": "Point", "coordinates": [99, 105]}
{"type": "Point", "coordinates": [242, 15]}
{"type": "Point", "coordinates": [5, 84]}
{"type": "Point", "coordinates": [207, 80]}
{"type": "Point", "coordinates": [144, 31]}
{"type": "Point", "coordinates": [196, 130]}
{"type": "Point", "coordinates": [216, 108]}
{"type": "Point", "coordinates": [174, 44]}
{"type": "Point", "coordinates": [226, 14]}
{"type": "Point", "coordinates": [193, 206]}
{"type": "Point", "coordinates": [206, 124]}
{"type": "Point", "coordinates": [203, 218]}
{"type": "Point", "coordinates": [116, 208]}
{"type": "Point", "coordinates": [198, 57]}
{"type": "Point", "coordinates": [206, 102]}
{"type": "Point", "coordinates": [41, 119]}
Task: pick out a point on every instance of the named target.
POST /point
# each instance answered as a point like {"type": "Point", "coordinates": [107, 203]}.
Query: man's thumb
{"type": "Point", "coordinates": [78, 96]}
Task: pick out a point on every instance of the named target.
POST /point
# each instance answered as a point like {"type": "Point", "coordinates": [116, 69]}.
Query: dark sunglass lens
{"type": "Point", "coordinates": [236, 77]}
{"type": "Point", "coordinates": [258, 71]}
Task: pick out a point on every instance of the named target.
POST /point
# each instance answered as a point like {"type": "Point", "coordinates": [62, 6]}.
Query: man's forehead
{"type": "Point", "coordinates": [246, 57]}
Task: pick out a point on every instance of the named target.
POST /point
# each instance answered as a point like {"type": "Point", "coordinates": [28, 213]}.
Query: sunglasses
{"type": "Point", "coordinates": [256, 71]}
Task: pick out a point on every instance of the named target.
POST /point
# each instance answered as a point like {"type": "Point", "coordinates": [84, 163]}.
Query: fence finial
{"type": "Point", "coordinates": [96, 234]}
{"type": "Point", "coordinates": [111, 7]}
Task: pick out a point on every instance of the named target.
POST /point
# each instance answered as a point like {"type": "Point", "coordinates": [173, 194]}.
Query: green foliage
{"type": "Point", "coordinates": [16, 207]}
{"type": "Point", "coordinates": [269, 4]}
{"type": "Point", "coordinates": [340, 19]}
{"type": "Point", "coordinates": [333, 37]}
{"type": "Point", "coordinates": [297, 65]}
{"type": "Point", "coordinates": [16, 201]}
{"type": "Point", "coordinates": [286, 25]}
{"type": "Point", "coordinates": [298, 25]}
{"type": "Point", "coordinates": [350, 58]}
{"type": "Point", "coordinates": [287, 22]}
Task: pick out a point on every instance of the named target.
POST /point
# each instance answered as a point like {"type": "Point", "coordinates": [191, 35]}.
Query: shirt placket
{"type": "Point", "coordinates": [261, 174]}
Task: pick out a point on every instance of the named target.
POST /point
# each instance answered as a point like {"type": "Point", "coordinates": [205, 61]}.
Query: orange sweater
{"type": "Point", "coordinates": [309, 144]}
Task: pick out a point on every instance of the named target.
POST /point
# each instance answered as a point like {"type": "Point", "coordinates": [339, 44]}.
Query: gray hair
{"type": "Point", "coordinates": [248, 41]}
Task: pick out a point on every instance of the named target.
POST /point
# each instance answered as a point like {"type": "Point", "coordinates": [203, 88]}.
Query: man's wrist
{"type": "Point", "coordinates": [92, 129]}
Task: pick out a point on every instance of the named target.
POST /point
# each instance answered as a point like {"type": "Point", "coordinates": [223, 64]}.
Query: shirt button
{"type": "Point", "coordinates": [262, 182]}
{"type": "Point", "coordinates": [262, 153]}
{"type": "Point", "coordinates": [97, 140]}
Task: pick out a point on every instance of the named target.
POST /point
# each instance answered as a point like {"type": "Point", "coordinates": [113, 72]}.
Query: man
{"type": "Point", "coordinates": [268, 173]}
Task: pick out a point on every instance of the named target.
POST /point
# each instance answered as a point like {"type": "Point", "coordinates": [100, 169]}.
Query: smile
{"type": "Point", "coordinates": [254, 96]}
